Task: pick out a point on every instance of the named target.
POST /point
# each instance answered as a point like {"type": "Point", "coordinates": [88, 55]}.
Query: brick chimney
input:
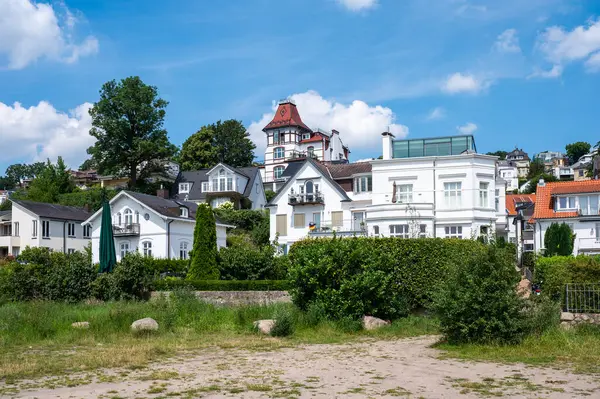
{"type": "Point", "coordinates": [162, 192]}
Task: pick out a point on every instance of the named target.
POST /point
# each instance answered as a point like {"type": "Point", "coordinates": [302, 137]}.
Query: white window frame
{"type": "Point", "coordinates": [205, 187]}
{"type": "Point", "coordinates": [589, 199]}
{"type": "Point", "coordinates": [484, 201]}
{"type": "Point", "coordinates": [571, 203]}
{"type": "Point", "coordinates": [45, 229]}
{"type": "Point", "coordinates": [184, 188]}
{"type": "Point", "coordinates": [183, 212]}
{"type": "Point", "coordinates": [278, 152]}
{"type": "Point", "coordinates": [34, 229]}
{"type": "Point", "coordinates": [147, 248]}
{"type": "Point", "coordinates": [278, 168]}
{"type": "Point", "coordinates": [15, 231]}
{"type": "Point", "coordinates": [124, 249]}
{"type": "Point", "coordinates": [305, 136]}
{"type": "Point", "coordinates": [453, 232]}
{"type": "Point", "coordinates": [399, 230]}
{"type": "Point", "coordinates": [363, 184]}
{"type": "Point", "coordinates": [71, 229]}
{"type": "Point", "coordinates": [128, 213]}
{"type": "Point", "coordinates": [70, 251]}
{"type": "Point", "coordinates": [453, 195]}
{"type": "Point", "coordinates": [87, 231]}
{"type": "Point", "coordinates": [183, 250]}
{"type": "Point", "coordinates": [404, 193]}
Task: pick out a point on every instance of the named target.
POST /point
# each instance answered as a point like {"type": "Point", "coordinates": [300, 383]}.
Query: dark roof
{"type": "Point", "coordinates": [165, 207]}
{"type": "Point", "coordinates": [346, 170]}
{"type": "Point", "coordinates": [296, 168]}
{"type": "Point", "coordinates": [197, 177]}
{"type": "Point", "coordinates": [54, 211]}
{"type": "Point", "coordinates": [5, 214]}
{"type": "Point", "coordinates": [517, 152]}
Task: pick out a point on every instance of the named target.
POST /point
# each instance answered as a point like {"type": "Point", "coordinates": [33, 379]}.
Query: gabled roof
{"type": "Point", "coordinates": [54, 211]}
{"type": "Point", "coordinates": [544, 206]}
{"type": "Point", "coordinates": [516, 152]}
{"type": "Point", "coordinates": [347, 170]}
{"type": "Point", "coordinates": [5, 215]}
{"type": "Point", "coordinates": [513, 199]}
{"type": "Point", "coordinates": [298, 166]}
{"type": "Point", "coordinates": [197, 177]}
{"type": "Point", "coordinates": [286, 115]}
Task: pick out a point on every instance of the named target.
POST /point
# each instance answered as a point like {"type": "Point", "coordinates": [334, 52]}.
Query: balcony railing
{"type": "Point", "coordinates": [340, 228]}
{"type": "Point", "coordinates": [306, 199]}
{"type": "Point", "coordinates": [123, 230]}
{"type": "Point", "coordinates": [218, 188]}
{"type": "Point", "coordinates": [301, 155]}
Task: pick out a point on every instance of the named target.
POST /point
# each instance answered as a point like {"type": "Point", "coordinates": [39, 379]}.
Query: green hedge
{"type": "Point", "coordinates": [171, 266]}
{"type": "Point", "coordinates": [384, 277]}
{"type": "Point", "coordinates": [222, 285]}
{"type": "Point", "coordinates": [556, 271]}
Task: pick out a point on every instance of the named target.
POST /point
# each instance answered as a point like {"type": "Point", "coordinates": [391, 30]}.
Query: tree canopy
{"type": "Point", "coordinates": [127, 123]}
{"type": "Point", "coordinates": [533, 182]}
{"type": "Point", "coordinates": [536, 168]}
{"type": "Point", "coordinates": [227, 142]}
{"type": "Point", "coordinates": [48, 185]}
{"type": "Point", "coordinates": [500, 154]}
{"type": "Point", "coordinates": [203, 260]}
{"type": "Point", "coordinates": [558, 240]}
{"type": "Point", "coordinates": [577, 150]}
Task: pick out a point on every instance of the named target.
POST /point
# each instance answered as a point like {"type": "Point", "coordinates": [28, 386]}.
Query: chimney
{"type": "Point", "coordinates": [388, 140]}
{"type": "Point", "coordinates": [87, 208]}
{"type": "Point", "coordinates": [162, 192]}
{"type": "Point", "coordinates": [333, 131]}
{"type": "Point", "coordinates": [541, 183]}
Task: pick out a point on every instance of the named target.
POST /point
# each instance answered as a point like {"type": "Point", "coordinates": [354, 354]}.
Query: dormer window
{"type": "Point", "coordinates": [183, 212]}
{"type": "Point", "coordinates": [184, 187]}
{"type": "Point", "coordinates": [305, 136]}
{"type": "Point", "coordinates": [363, 184]}
{"type": "Point", "coordinates": [565, 203]}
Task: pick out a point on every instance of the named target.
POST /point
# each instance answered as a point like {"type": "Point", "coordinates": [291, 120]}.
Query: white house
{"type": "Point", "coordinates": [576, 203]}
{"type": "Point", "coordinates": [421, 188]}
{"type": "Point", "coordinates": [220, 184]}
{"type": "Point", "coordinates": [509, 172]}
{"type": "Point", "coordinates": [37, 224]}
{"type": "Point", "coordinates": [289, 139]}
{"type": "Point", "coordinates": [150, 225]}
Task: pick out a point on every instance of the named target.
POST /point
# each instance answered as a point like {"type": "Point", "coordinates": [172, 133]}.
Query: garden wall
{"type": "Point", "coordinates": [568, 319]}
{"type": "Point", "coordinates": [236, 298]}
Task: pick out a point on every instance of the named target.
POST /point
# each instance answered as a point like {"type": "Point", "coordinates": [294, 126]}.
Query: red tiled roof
{"type": "Point", "coordinates": [544, 206]}
{"type": "Point", "coordinates": [313, 139]}
{"type": "Point", "coordinates": [286, 115]}
{"type": "Point", "coordinates": [513, 199]}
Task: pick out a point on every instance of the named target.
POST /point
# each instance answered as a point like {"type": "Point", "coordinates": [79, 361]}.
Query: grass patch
{"type": "Point", "coordinates": [578, 348]}
{"type": "Point", "coordinates": [36, 338]}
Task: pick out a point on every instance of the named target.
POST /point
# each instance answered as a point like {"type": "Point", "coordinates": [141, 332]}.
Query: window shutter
{"type": "Point", "coordinates": [337, 218]}
{"type": "Point", "coordinates": [281, 225]}
{"type": "Point", "coordinates": [299, 220]}
{"type": "Point", "coordinates": [394, 199]}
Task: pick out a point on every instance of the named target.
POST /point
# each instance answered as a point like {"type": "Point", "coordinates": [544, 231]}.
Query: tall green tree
{"type": "Point", "coordinates": [500, 154]}
{"type": "Point", "coordinates": [53, 181]}
{"type": "Point", "coordinates": [558, 240]}
{"type": "Point", "coordinates": [203, 262]}
{"type": "Point", "coordinates": [232, 143]}
{"type": "Point", "coordinates": [88, 164]}
{"type": "Point", "coordinates": [127, 123]}
{"type": "Point", "coordinates": [198, 152]}
{"type": "Point", "coordinates": [533, 182]}
{"type": "Point", "coordinates": [17, 172]}
{"type": "Point", "coordinates": [536, 168]}
{"type": "Point", "coordinates": [577, 150]}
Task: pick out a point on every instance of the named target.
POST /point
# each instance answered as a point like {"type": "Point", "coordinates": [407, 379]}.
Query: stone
{"type": "Point", "coordinates": [565, 325]}
{"type": "Point", "coordinates": [373, 323]}
{"type": "Point", "coordinates": [147, 324]}
{"type": "Point", "coordinates": [81, 324]}
{"type": "Point", "coordinates": [264, 326]}
{"type": "Point", "coordinates": [567, 316]}
{"type": "Point", "coordinates": [585, 317]}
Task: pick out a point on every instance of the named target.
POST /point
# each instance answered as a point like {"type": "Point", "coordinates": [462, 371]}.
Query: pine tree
{"type": "Point", "coordinates": [203, 264]}
{"type": "Point", "coordinates": [558, 240]}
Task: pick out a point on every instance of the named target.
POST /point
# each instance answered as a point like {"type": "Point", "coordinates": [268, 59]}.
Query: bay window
{"type": "Point", "coordinates": [453, 194]}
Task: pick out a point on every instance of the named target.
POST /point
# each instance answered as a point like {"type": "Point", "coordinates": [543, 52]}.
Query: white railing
{"type": "Point", "coordinates": [344, 227]}
{"type": "Point", "coordinates": [218, 188]}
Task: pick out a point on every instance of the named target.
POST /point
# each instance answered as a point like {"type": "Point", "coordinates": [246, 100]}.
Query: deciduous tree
{"type": "Point", "coordinates": [577, 150]}
{"type": "Point", "coordinates": [500, 154]}
{"type": "Point", "coordinates": [198, 152]}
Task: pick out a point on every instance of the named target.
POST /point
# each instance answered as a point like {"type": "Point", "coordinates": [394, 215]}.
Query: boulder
{"type": "Point", "coordinates": [81, 324]}
{"type": "Point", "coordinates": [147, 324]}
{"type": "Point", "coordinates": [264, 326]}
{"type": "Point", "coordinates": [565, 325]}
{"type": "Point", "coordinates": [373, 323]}
{"type": "Point", "coordinates": [567, 316]}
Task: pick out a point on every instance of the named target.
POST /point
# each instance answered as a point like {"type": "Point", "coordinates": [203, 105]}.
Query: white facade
{"type": "Point", "coordinates": [27, 229]}
{"type": "Point", "coordinates": [510, 174]}
{"type": "Point", "coordinates": [139, 228]}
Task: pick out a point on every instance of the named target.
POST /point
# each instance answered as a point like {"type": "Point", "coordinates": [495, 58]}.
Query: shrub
{"type": "Point", "coordinates": [245, 262]}
{"type": "Point", "coordinates": [103, 287]}
{"type": "Point", "coordinates": [284, 323]}
{"type": "Point", "coordinates": [479, 303]}
{"type": "Point", "coordinates": [382, 277]}
{"type": "Point", "coordinates": [554, 272]}
{"type": "Point", "coordinates": [170, 283]}
{"type": "Point", "coordinates": [132, 280]}
{"type": "Point", "coordinates": [558, 240]}
{"type": "Point", "coordinates": [70, 278]}
{"type": "Point", "coordinates": [528, 260]}
{"type": "Point", "coordinates": [541, 314]}
{"type": "Point", "coordinates": [252, 222]}
{"type": "Point", "coordinates": [203, 263]}
{"type": "Point", "coordinates": [157, 266]}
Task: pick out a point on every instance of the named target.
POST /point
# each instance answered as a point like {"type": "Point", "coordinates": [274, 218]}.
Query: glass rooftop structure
{"type": "Point", "coordinates": [433, 147]}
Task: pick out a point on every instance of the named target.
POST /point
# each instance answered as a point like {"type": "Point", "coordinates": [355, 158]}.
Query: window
{"type": "Point", "coordinates": [217, 202]}
{"type": "Point", "coordinates": [278, 171]}
{"type": "Point", "coordinates": [71, 229]}
{"type": "Point", "coordinates": [278, 152]}
{"type": "Point", "coordinates": [453, 231]}
{"type": "Point", "coordinates": [184, 187]}
{"type": "Point", "coordinates": [399, 230]}
{"type": "Point", "coordinates": [305, 136]}
{"type": "Point", "coordinates": [483, 194]}
{"type": "Point", "coordinates": [128, 216]}
{"type": "Point", "coordinates": [528, 247]}
{"type": "Point", "coordinates": [276, 137]}
{"type": "Point", "coordinates": [147, 248]}
{"type": "Point", "coordinates": [580, 172]}
{"type": "Point", "coordinates": [317, 219]}
{"type": "Point", "coordinates": [588, 204]}
{"type": "Point", "coordinates": [124, 247]}
{"type": "Point", "coordinates": [337, 218]}
{"type": "Point", "coordinates": [137, 216]}
{"type": "Point", "coordinates": [16, 229]}
{"type": "Point", "coordinates": [597, 232]}
{"type": "Point", "coordinates": [483, 230]}
{"type": "Point", "coordinates": [566, 203]}
{"type": "Point", "coordinates": [310, 151]}
{"type": "Point", "coordinates": [70, 251]}
{"type": "Point", "coordinates": [34, 229]}
{"type": "Point", "coordinates": [87, 231]}
{"type": "Point", "coordinates": [183, 212]}
{"type": "Point", "coordinates": [281, 225]}
{"type": "Point", "coordinates": [299, 221]}
{"type": "Point", "coordinates": [404, 193]}
{"type": "Point", "coordinates": [376, 230]}
{"type": "Point", "coordinates": [363, 184]}
{"type": "Point", "coordinates": [45, 229]}
{"type": "Point", "coordinates": [183, 251]}
{"type": "Point", "coordinates": [204, 187]}
{"type": "Point", "coordinates": [119, 218]}
{"type": "Point", "coordinates": [230, 184]}
{"type": "Point", "coordinates": [453, 194]}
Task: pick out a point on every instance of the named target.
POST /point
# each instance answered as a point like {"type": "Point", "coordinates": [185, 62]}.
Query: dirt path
{"type": "Point", "coordinates": [379, 369]}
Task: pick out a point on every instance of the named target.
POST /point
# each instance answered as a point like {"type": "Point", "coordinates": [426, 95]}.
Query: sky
{"type": "Point", "coordinates": [512, 72]}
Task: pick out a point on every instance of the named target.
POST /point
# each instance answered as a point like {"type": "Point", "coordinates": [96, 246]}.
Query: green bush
{"type": "Point", "coordinates": [252, 222]}
{"type": "Point", "coordinates": [70, 278]}
{"type": "Point", "coordinates": [103, 288]}
{"type": "Point", "coordinates": [131, 278]}
{"type": "Point", "coordinates": [203, 259]}
{"type": "Point", "coordinates": [245, 262]}
{"type": "Point", "coordinates": [528, 260]}
{"type": "Point", "coordinates": [382, 277]}
{"type": "Point", "coordinates": [169, 283]}
{"type": "Point", "coordinates": [478, 301]}
{"type": "Point", "coordinates": [284, 323]}
{"type": "Point", "coordinates": [558, 240]}
{"type": "Point", "coordinates": [554, 272]}
{"type": "Point", "coordinates": [159, 266]}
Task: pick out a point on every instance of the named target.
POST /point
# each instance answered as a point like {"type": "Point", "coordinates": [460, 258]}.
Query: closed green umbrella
{"type": "Point", "coordinates": [108, 256]}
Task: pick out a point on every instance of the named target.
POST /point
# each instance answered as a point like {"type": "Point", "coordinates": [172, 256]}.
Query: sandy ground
{"type": "Point", "coordinates": [378, 369]}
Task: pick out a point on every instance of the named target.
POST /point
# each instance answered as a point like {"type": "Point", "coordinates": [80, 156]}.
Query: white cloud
{"type": "Point", "coordinates": [508, 42]}
{"type": "Point", "coordinates": [358, 5]}
{"type": "Point", "coordinates": [359, 124]}
{"type": "Point", "coordinates": [40, 132]}
{"type": "Point", "coordinates": [468, 128]}
{"type": "Point", "coordinates": [593, 63]}
{"type": "Point", "coordinates": [436, 113]}
{"type": "Point", "coordinates": [459, 83]}
{"type": "Point", "coordinates": [555, 72]}
{"type": "Point", "coordinates": [582, 43]}
{"type": "Point", "coordinates": [30, 31]}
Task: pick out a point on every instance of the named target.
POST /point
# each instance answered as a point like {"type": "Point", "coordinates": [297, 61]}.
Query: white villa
{"type": "Point", "coordinates": [151, 225]}
{"type": "Point", "coordinates": [37, 224]}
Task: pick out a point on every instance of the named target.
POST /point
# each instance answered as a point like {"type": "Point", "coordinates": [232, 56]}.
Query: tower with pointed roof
{"type": "Point", "coordinates": [289, 139]}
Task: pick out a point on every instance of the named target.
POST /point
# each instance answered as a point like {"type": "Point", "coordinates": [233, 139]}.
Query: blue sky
{"type": "Point", "coordinates": [513, 73]}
